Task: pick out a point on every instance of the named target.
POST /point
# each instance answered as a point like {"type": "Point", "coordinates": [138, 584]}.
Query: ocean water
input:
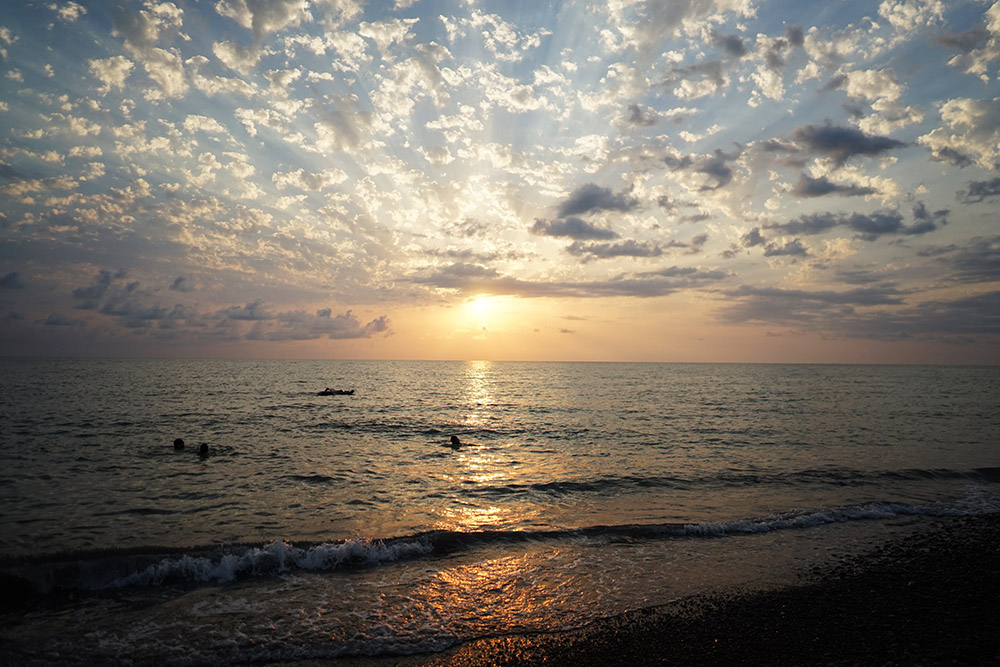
{"type": "Point", "coordinates": [326, 526]}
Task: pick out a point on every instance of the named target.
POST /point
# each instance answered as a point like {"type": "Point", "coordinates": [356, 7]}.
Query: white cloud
{"type": "Point", "coordinates": [911, 15]}
{"type": "Point", "coordinates": [387, 33]}
{"type": "Point", "coordinates": [239, 58]}
{"type": "Point", "coordinates": [264, 17]}
{"type": "Point", "coordinates": [167, 71]}
{"type": "Point", "coordinates": [112, 72]}
{"type": "Point", "coordinates": [69, 12]}
{"type": "Point", "coordinates": [309, 181]}
{"type": "Point", "coordinates": [197, 123]}
{"type": "Point", "coordinates": [970, 132]}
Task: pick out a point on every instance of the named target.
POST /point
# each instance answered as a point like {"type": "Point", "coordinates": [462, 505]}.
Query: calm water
{"type": "Point", "coordinates": [337, 525]}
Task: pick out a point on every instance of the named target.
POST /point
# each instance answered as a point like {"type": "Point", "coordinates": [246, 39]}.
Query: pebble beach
{"type": "Point", "coordinates": [928, 599]}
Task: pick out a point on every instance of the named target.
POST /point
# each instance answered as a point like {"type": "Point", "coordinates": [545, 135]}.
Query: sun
{"type": "Point", "coordinates": [480, 313]}
{"type": "Point", "coordinates": [481, 305]}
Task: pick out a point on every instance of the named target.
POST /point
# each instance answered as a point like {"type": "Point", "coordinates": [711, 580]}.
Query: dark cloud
{"type": "Point", "coordinates": [697, 243]}
{"type": "Point", "coordinates": [964, 42]}
{"type": "Point", "coordinates": [793, 248]}
{"type": "Point", "coordinates": [822, 186]}
{"type": "Point", "coordinates": [868, 227]}
{"type": "Point", "coordinates": [815, 223]}
{"type": "Point", "coordinates": [11, 281]}
{"type": "Point", "coordinates": [94, 292]}
{"type": "Point", "coordinates": [836, 313]}
{"type": "Point", "coordinates": [772, 305]}
{"type": "Point", "coordinates": [950, 155]}
{"type": "Point", "coordinates": [479, 279]}
{"type": "Point", "coordinates": [711, 70]}
{"type": "Point", "coordinates": [642, 116]}
{"type": "Point", "coordinates": [978, 191]}
{"type": "Point", "coordinates": [591, 198]}
{"type": "Point", "coordinates": [9, 173]}
{"type": "Point", "coordinates": [629, 248]}
{"type": "Point", "coordinates": [860, 277]}
{"type": "Point", "coordinates": [796, 35]}
{"type": "Point", "coordinates": [836, 82]}
{"type": "Point", "coordinates": [927, 221]}
{"type": "Point", "coordinates": [715, 166]}
{"type": "Point", "coordinates": [752, 238]}
{"type": "Point", "coordinates": [180, 284]}
{"type": "Point", "coordinates": [300, 325]}
{"type": "Point", "coordinates": [252, 312]}
{"type": "Point", "coordinates": [731, 44]}
{"type": "Point", "coordinates": [842, 143]}
{"type": "Point", "coordinates": [59, 320]}
{"type": "Point", "coordinates": [976, 262]}
{"type": "Point", "coordinates": [573, 228]}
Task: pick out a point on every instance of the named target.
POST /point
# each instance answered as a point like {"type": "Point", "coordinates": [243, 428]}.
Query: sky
{"type": "Point", "coordinates": [692, 180]}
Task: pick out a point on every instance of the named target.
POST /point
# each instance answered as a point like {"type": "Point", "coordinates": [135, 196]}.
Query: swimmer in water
{"type": "Point", "coordinates": [203, 450]}
{"type": "Point", "coordinates": [455, 442]}
{"type": "Point", "coordinates": [178, 444]}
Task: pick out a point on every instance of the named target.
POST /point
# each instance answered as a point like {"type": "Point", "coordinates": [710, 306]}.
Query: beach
{"type": "Point", "coordinates": [929, 599]}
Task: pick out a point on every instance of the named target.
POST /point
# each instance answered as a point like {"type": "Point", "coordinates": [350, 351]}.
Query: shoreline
{"type": "Point", "coordinates": [927, 599]}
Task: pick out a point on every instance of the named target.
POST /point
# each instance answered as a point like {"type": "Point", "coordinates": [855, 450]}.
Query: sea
{"type": "Point", "coordinates": [346, 525]}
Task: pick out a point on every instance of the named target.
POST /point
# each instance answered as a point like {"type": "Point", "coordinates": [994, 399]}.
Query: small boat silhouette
{"type": "Point", "coordinates": [335, 392]}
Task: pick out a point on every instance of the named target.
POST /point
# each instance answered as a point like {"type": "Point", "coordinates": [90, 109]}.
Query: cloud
{"type": "Point", "coordinates": [970, 133]}
{"type": "Point", "coordinates": [573, 228]}
{"type": "Point", "coordinates": [977, 191]}
{"type": "Point", "coordinates": [97, 289]}
{"type": "Point", "coordinates": [300, 325]}
{"type": "Point", "coordinates": [842, 143]}
{"type": "Point", "coordinates": [591, 198]}
{"type": "Point", "coordinates": [822, 186]}
{"type": "Point", "coordinates": [850, 314]}
{"type": "Point", "coordinates": [476, 279]}
{"type": "Point", "coordinates": [70, 11]}
{"type": "Point", "coordinates": [180, 284]}
{"type": "Point", "coordinates": [773, 305]}
{"type": "Point", "coordinates": [976, 261]}
{"type": "Point", "coordinates": [642, 116]}
{"type": "Point", "coordinates": [732, 45]}
{"type": "Point", "coordinates": [868, 226]}
{"type": "Point", "coordinates": [11, 281]}
{"type": "Point", "coordinates": [628, 248]}
{"type": "Point", "coordinates": [312, 182]}
{"type": "Point", "coordinates": [647, 23]}
{"type": "Point", "coordinates": [715, 166]}
{"type": "Point", "coordinates": [253, 311]}
{"type": "Point", "coordinates": [264, 17]}
{"type": "Point", "coordinates": [343, 126]}
{"type": "Point", "coordinates": [793, 248]}
{"type": "Point", "coordinates": [111, 72]}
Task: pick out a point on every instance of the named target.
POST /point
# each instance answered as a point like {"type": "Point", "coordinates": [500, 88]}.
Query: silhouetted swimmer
{"type": "Point", "coordinates": [203, 450]}
{"type": "Point", "coordinates": [455, 442]}
{"type": "Point", "coordinates": [178, 444]}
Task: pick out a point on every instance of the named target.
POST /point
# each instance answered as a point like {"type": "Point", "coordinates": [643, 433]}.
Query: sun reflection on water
{"type": "Point", "coordinates": [478, 396]}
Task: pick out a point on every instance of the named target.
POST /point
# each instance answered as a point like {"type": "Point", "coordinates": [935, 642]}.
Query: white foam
{"type": "Point", "coordinates": [808, 519]}
{"type": "Point", "coordinates": [273, 557]}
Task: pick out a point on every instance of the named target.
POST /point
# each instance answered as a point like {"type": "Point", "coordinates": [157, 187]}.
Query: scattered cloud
{"type": "Point", "coordinates": [206, 174]}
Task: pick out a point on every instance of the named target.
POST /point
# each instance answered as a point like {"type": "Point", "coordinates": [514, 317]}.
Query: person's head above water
{"type": "Point", "coordinates": [455, 442]}
{"type": "Point", "coordinates": [178, 444]}
{"type": "Point", "coordinates": [203, 450]}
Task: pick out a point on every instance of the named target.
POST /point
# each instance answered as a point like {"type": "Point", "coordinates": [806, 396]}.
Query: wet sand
{"type": "Point", "coordinates": [929, 599]}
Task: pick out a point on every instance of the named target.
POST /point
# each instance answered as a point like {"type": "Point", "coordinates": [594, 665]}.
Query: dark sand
{"type": "Point", "coordinates": [930, 599]}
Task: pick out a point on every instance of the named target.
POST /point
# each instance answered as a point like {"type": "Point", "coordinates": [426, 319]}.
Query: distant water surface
{"type": "Point", "coordinates": [332, 525]}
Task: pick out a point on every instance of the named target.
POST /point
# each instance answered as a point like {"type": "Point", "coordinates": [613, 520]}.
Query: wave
{"type": "Point", "coordinates": [150, 566]}
{"type": "Point", "coordinates": [832, 476]}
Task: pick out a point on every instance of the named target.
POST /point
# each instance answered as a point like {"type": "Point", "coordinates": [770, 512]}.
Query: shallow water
{"type": "Point", "coordinates": [331, 525]}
